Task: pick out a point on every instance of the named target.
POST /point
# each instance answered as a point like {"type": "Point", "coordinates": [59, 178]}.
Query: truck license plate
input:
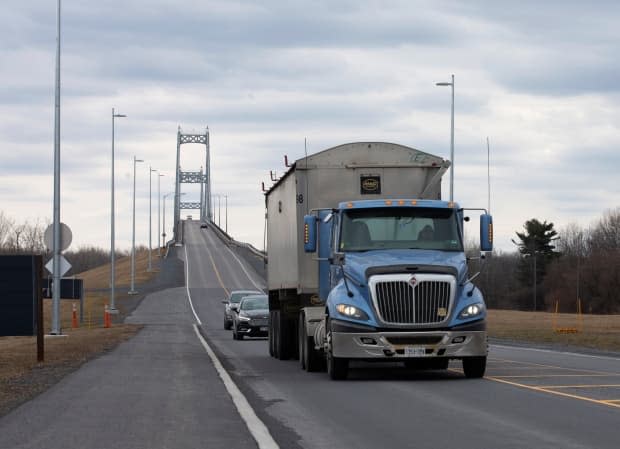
{"type": "Point", "coordinates": [415, 351]}
{"type": "Point", "coordinates": [264, 328]}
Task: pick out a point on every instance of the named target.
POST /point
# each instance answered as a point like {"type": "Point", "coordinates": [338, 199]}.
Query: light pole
{"type": "Point", "coordinates": [219, 211]}
{"type": "Point", "coordinates": [163, 236]}
{"type": "Point", "coordinates": [533, 254]}
{"type": "Point", "coordinates": [226, 207]}
{"type": "Point", "coordinates": [451, 138]}
{"type": "Point", "coordinates": [151, 170]}
{"type": "Point", "coordinates": [56, 329]}
{"type": "Point", "coordinates": [132, 290]}
{"type": "Point", "coordinates": [159, 175]}
{"type": "Point", "coordinates": [113, 308]}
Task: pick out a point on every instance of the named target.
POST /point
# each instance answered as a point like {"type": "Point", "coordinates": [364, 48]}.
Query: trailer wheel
{"type": "Point", "coordinates": [474, 367]}
{"type": "Point", "coordinates": [283, 336]}
{"type": "Point", "coordinates": [271, 334]}
{"type": "Point", "coordinates": [337, 367]}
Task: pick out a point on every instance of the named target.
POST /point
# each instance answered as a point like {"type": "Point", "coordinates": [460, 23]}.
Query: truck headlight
{"type": "Point", "coordinates": [351, 311]}
{"type": "Point", "coordinates": [472, 310]}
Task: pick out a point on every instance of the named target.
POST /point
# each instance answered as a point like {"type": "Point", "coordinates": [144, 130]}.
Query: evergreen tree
{"type": "Point", "coordinates": [537, 250]}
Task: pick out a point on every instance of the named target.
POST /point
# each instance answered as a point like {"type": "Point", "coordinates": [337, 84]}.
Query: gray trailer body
{"type": "Point", "coordinates": [349, 172]}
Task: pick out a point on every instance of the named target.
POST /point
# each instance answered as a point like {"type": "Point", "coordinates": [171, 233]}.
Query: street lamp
{"type": "Point", "coordinates": [113, 308]}
{"type": "Point", "coordinates": [451, 138]}
{"type": "Point", "coordinates": [132, 290]}
{"type": "Point", "coordinates": [533, 254]}
{"type": "Point", "coordinates": [159, 175]}
{"type": "Point", "coordinates": [226, 207]}
{"type": "Point", "coordinates": [151, 170]}
{"type": "Point", "coordinates": [163, 236]}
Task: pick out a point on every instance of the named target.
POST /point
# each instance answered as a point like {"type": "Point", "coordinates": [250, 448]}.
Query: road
{"type": "Point", "coordinates": [162, 389]}
{"type": "Point", "coordinates": [529, 398]}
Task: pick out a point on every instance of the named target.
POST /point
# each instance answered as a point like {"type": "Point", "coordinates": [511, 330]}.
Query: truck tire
{"type": "Point", "coordinates": [271, 334]}
{"type": "Point", "coordinates": [303, 347]}
{"type": "Point", "coordinates": [282, 340]}
{"type": "Point", "coordinates": [474, 367]}
{"type": "Point", "coordinates": [309, 358]}
{"type": "Point", "coordinates": [337, 367]}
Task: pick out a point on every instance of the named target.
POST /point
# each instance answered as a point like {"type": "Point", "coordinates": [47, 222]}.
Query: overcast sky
{"type": "Point", "coordinates": [540, 79]}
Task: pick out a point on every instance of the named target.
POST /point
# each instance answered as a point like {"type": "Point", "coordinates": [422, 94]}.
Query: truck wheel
{"type": "Point", "coordinates": [309, 358]}
{"type": "Point", "coordinates": [474, 367]}
{"type": "Point", "coordinates": [283, 337]}
{"type": "Point", "coordinates": [337, 367]}
{"type": "Point", "coordinates": [271, 334]}
{"type": "Point", "coordinates": [302, 341]}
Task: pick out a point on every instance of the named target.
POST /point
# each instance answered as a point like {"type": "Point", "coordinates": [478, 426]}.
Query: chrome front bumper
{"type": "Point", "coordinates": [404, 345]}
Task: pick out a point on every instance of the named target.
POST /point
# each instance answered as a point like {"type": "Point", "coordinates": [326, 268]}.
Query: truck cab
{"type": "Point", "coordinates": [395, 278]}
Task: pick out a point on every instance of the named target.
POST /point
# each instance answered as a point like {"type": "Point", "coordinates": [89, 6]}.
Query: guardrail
{"type": "Point", "coordinates": [228, 239]}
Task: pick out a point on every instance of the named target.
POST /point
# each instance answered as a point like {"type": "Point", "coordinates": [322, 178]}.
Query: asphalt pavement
{"type": "Point", "coordinates": [161, 389]}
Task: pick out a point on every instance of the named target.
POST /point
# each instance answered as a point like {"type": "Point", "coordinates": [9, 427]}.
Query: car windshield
{"type": "Point", "coordinates": [236, 297]}
{"type": "Point", "coordinates": [400, 228]}
{"type": "Point", "coordinates": [255, 303]}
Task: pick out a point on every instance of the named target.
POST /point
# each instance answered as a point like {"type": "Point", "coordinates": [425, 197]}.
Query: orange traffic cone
{"type": "Point", "coordinates": [106, 316]}
{"type": "Point", "coordinates": [74, 321]}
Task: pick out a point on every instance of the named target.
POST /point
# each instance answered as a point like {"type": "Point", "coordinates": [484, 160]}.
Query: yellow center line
{"type": "Point", "coordinates": [580, 386]}
{"type": "Point", "coordinates": [551, 366]}
{"type": "Point", "coordinates": [557, 393]}
{"type": "Point", "coordinates": [555, 375]}
{"type": "Point", "coordinates": [217, 273]}
{"type": "Point", "coordinates": [612, 402]}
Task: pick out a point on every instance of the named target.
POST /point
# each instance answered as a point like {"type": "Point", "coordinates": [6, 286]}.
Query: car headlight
{"type": "Point", "coordinates": [244, 317]}
{"type": "Point", "coordinates": [351, 311]}
{"type": "Point", "coordinates": [472, 310]}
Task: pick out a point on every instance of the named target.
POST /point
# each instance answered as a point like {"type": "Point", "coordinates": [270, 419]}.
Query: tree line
{"type": "Point", "coordinates": [27, 238]}
{"type": "Point", "coordinates": [570, 264]}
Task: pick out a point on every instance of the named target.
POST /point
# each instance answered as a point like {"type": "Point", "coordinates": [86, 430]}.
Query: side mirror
{"type": "Point", "coordinates": [310, 233]}
{"type": "Point", "coordinates": [338, 259]}
{"type": "Point", "coordinates": [224, 301]}
{"type": "Point", "coordinates": [486, 232]}
{"type": "Point", "coordinates": [234, 307]}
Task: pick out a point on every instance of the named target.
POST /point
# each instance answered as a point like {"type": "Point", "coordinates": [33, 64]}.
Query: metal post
{"type": "Point", "coordinates": [150, 268]}
{"type": "Point", "coordinates": [159, 175]}
{"type": "Point", "coordinates": [226, 208]}
{"type": "Point", "coordinates": [219, 211]}
{"type": "Point", "coordinates": [451, 137]}
{"type": "Point", "coordinates": [202, 200]}
{"type": "Point", "coordinates": [132, 290]}
{"type": "Point", "coordinates": [56, 330]}
{"type": "Point", "coordinates": [535, 281]}
{"type": "Point", "coordinates": [113, 308]}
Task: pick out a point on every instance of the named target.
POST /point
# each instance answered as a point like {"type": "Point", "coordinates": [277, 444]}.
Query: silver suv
{"type": "Point", "coordinates": [232, 303]}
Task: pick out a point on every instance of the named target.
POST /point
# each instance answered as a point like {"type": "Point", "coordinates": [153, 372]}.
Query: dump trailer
{"type": "Point", "coordinates": [366, 262]}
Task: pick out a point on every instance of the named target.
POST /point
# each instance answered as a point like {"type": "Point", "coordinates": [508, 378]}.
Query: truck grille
{"type": "Point", "coordinates": [419, 299]}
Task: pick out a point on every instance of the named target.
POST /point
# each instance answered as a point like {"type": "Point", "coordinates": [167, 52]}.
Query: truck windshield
{"type": "Point", "coordinates": [400, 228]}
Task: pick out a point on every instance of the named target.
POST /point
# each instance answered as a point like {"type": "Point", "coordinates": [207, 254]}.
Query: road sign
{"type": "Point", "coordinates": [65, 237]}
{"type": "Point", "coordinates": [64, 265]}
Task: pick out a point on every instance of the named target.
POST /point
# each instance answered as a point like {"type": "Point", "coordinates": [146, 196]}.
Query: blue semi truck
{"type": "Point", "coordinates": [366, 262]}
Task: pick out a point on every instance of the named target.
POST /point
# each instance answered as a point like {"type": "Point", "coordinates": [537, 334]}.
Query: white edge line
{"type": "Point", "coordinates": [557, 352]}
{"type": "Point", "coordinates": [256, 427]}
{"type": "Point", "coordinates": [242, 266]}
{"type": "Point", "coordinates": [189, 297]}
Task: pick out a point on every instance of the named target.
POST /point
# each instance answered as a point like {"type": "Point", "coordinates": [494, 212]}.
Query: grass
{"type": "Point", "coordinates": [22, 377]}
{"type": "Point", "coordinates": [600, 332]}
